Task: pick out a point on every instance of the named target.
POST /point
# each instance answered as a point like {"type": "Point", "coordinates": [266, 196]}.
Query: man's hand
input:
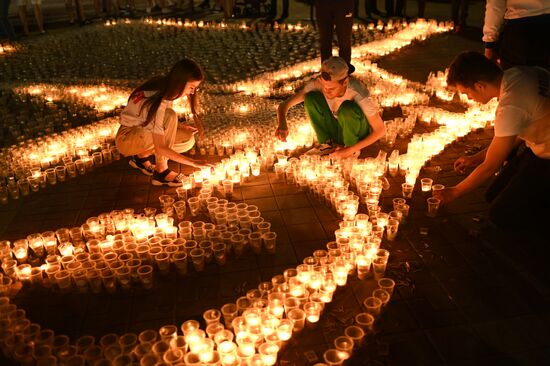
{"type": "Point", "coordinates": [342, 152]}
{"type": "Point", "coordinates": [491, 54]}
{"type": "Point", "coordinates": [463, 163]}
{"type": "Point", "coordinates": [281, 133]}
{"type": "Point", "coordinates": [447, 195]}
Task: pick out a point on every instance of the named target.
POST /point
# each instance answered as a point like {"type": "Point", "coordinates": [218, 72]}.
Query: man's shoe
{"type": "Point", "coordinates": [159, 179]}
{"type": "Point", "coordinates": [136, 162]}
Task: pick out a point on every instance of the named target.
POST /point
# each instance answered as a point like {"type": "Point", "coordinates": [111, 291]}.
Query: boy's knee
{"type": "Point", "coordinates": [312, 98]}
{"type": "Point", "coordinates": [349, 110]}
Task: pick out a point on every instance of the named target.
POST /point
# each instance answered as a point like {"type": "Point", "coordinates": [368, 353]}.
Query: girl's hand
{"type": "Point", "coordinates": [200, 164]}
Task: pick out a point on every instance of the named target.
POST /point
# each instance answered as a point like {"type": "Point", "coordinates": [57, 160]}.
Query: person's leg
{"type": "Point", "coordinates": [23, 18]}
{"type": "Point", "coordinates": [344, 25]}
{"type": "Point", "coordinates": [399, 8]}
{"type": "Point", "coordinates": [524, 202]}
{"type": "Point", "coordinates": [38, 16]}
{"type": "Point", "coordinates": [170, 128]}
{"type": "Point", "coordinates": [272, 10]}
{"type": "Point", "coordinates": [421, 8]}
{"type": "Point", "coordinates": [185, 140]}
{"type": "Point", "coordinates": [455, 5]}
{"type": "Point", "coordinates": [323, 122]}
{"type": "Point", "coordinates": [325, 25]}
{"type": "Point", "coordinates": [70, 10]}
{"type": "Point", "coordinates": [97, 8]}
{"type": "Point", "coordinates": [353, 123]}
{"type": "Point", "coordinates": [133, 141]}
{"type": "Point", "coordinates": [80, 12]}
{"type": "Point", "coordinates": [5, 25]}
{"type": "Point", "coordinates": [506, 173]}
{"type": "Point", "coordinates": [463, 12]}
{"type": "Point", "coordinates": [389, 8]}
{"type": "Point", "coordinates": [286, 5]}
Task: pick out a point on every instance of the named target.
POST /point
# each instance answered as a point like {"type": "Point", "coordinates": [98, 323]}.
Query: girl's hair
{"type": "Point", "coordinates": [170, 87]}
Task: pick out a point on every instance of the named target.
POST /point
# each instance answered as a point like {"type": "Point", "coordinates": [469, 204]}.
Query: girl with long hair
{"type": "Point", "coordinates": [149, 125]}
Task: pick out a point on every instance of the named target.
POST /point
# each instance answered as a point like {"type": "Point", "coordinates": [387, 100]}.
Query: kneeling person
{"type": "Point", "coordinates": [520, 192]}
{"type": "Point", "coordinates": [339, 109]}
{"type": "Point", "coordinates": [149, 125]}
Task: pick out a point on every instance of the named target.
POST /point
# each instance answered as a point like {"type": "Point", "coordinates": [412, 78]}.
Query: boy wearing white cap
{"type": "Point", "coordinates": [339, 108]}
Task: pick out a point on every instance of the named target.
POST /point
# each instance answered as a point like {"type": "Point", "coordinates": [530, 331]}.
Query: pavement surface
{"type": "Point", "coordinates": [467, 293]}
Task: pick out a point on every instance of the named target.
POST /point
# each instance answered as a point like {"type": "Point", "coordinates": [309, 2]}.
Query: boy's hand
{"type": "Point", "coordinates": [281, 133]}
{"type": "Point", "coordinates": [342, 152]}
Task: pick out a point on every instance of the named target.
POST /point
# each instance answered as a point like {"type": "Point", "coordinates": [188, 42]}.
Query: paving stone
{"type": "Point", "coordinates": [306, 232]}
{"type": "Point", "coordinates": [459, 343]}
{"type": "Point", "coordinates": [412, 348]}
{"type": "Point", "coordinates": [258, 191]}
{"type": "Point", "coordinates": [291, 201]}
{"type": "Point", "coordinates": [428, 317]}
{"type": "Point", "coordinates": [264, 204]}
{"type": "Point", "coordinates": [295, 216]}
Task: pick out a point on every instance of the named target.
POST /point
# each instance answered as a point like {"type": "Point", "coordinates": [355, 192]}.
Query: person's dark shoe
{"type": "Point", "coordinates": [136, 162]}
{"type": "Point", "coordinates": [281, 19]}
{"type": "Point", "coordinates": [377, 12]}
{"type": "Point", "coordinates": [159, 179]}
{"type": "Point", "coordinates": [205, 5]}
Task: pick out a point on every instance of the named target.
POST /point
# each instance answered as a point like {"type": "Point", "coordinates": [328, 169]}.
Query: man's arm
{"type": "Point", "coordinates": [497, 153]}
{"type": "Point", "coordinates": [282, 110]}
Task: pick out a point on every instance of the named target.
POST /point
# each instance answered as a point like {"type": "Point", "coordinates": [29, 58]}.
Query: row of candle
{"type": "Point", "coordinates": [6, 48]}
{"type": "Point", "coordinates": [414, 31]}
{"type": "Point", "coordinates": [187, 23]}
{"type": "Point", "coordinates": [28, 166]}
{"type": "Point", "coordinates": [147, 238]}
{"type": "Point", "coordinates": [423, 147]}
{"type": "Point", "coordinates": [267, 317]}
{"type": "Point", "coordinates": [100, 97]}
{"type": "Point", "coordinates": [264, 84]}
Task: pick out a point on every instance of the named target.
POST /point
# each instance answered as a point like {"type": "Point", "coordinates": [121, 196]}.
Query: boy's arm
{"type": "Point", "coordinates": [282, 127]}
{"type": "Point", "coordinates": [378, 131]}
